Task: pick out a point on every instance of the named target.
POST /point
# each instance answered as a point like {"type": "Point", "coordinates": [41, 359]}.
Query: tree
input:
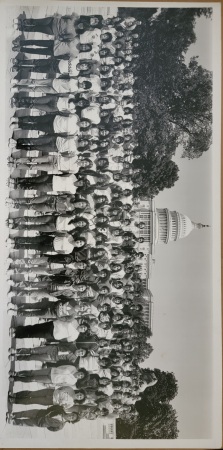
{"type": "Point", "coordinates": [156, 174]}
{"type": "Point", "coordinates": [158, 423]}
{"type": "Point", "coordinates": [163, 391]}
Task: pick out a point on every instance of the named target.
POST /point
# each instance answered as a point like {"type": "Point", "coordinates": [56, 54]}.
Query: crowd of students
{"type": "Point", "coordinates": [74, 263]}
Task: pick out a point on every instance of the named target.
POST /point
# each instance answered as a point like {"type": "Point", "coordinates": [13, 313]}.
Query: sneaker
{"type": "Point", "coordinates": [16, 41]}
{"type": "Point", "coordinates": [14, 81]}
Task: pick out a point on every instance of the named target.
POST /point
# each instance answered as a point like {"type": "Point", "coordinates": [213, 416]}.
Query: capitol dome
{"type": "Point", "coordinates": [172, 225]}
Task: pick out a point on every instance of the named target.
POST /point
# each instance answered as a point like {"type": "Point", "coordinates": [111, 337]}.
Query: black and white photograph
{"type": "Point", "coordinates": [110, 225]}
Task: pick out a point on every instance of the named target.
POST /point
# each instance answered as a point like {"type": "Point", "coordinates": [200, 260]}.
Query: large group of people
{"type": "Point", "coordinates": [74, 263]}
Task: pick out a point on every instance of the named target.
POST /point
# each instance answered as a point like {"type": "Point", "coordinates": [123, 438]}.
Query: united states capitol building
{"type": "Point", "coordinates": [160, 226]}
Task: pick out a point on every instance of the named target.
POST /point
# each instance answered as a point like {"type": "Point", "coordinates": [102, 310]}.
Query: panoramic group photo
{"type": "Point", "coordinates": [107, 200]}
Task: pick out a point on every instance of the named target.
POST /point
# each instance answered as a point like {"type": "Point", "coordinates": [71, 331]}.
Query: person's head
{"type": "Point", "coordinates": [81, 374]}
{"type": "Point", "coordinates": [105, 52]}
{"type": "Point", "coordinates": [119, 34]}
{"type": "Point", "coordinates": [79, 396]}
{"type": "Point", "coordinates": [104, 381]}
{"type": "Point", "coordinates": [81, 287]}
{"type": "Point", "coordinates": [105, 307]}
{"type": "Point", "coordinates": [85, 85]}
{"type": "Point", "coordinates": [105, 290]}
{"type": "Point", "coordinates": [83, 328]}
{"type": "Point", "coordinates": [102, 163]}
{"type": "Point", "coordinates": [105, 84]}
{"type": "Point", "coordinates": [83, 103]}
{"type": "Point", "coordinates": [104, 133]}
{"type": "Point", "coordinates": [85, 47]}
{"type": "Point", "coordinates": [105, 69]}
{"type": "Point", "coordinates": [127, 207]}
{"type": "Point", "coordinates": [80, 222]}
{"type": "Point", "coordinates": [79, 242]}
{"type": "Point", "coordinates": [135, 35]}
{"type": "Point", "coordinates": [115, 267]}
{"type": "Point", "coordinates": [83, 66]}
{"type": "Point", "coordinates": [118, 140]}
{"type": "Point", "coordinates": [117, 284]}
{"type": "Point", "coordinates": [104, 317]}
{"type": "Point", "coordinates": [81, 204]}
{"type": "Point", "coordinates": [141, 240]}
{"type": "Point", "coordinates": [81, 352]}
{"type": "Point", "coordinates": [94, 21]}
{"type": "Point", "coordinates": [118, 60]}
{"type": "Point", "coordinates": [85, 124]}
{"type": "Point", "coordinates": [106, 37]}
{"type": "Point", "coordinates": [117, 300]}
{"type": "Point", "coordinates": [71, 417]}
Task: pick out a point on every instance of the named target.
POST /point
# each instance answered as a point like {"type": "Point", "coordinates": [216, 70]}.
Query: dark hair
{"type": "Point", "coordinates": [108, 38]}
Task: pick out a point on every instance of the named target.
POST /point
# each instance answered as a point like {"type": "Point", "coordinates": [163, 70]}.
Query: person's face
{"type": "Point", "coordinates": [128, 51]}
{"type": "Point", "coordinates": [103, 52]}
{"type": "Point", "coordinates": [80, 205]}
{"type": "Point", "coordinates": [104, 144]}
{"type": "Point", "coordinates": [81, 288]}
{"type": "Point", "coordinates": [104, 36]}
{"type": "Point", "coordinates": [103, 83]}
{"type": "Point", "coordinates": [83, 66]}
{"type": "Point", "coordinates": [101, 163]}
{"type": "Point", "coordinates": [79, 375]}
{"type": "Point", "coordinates": [79, 183]}
{"type": "Point", "coordinates": [104, 382]}
{"type": "Point", "coordinates": [118, 60]}
{"type": "Point", "coordinates": [82, 328]}
{"type": "Point", "coordinates": [84, 124]}
{"type": "Point", "coordinates": [81, 103]}
{"type": "Point", "coordinates": [102, 274]}
{"type": "Point", "coordinates": [81, 223]}
{"type": "Point", "coordinates": [104, 318]}
{"type": "Point", "coordinates": [79, 243]}
{"type": "Point", "coordinates": [117, 119]}
{"type": "Point", "coordinates": [104, 132]}
{"type": "Point", "coordinates": [81, 352]}
{"type": "Point", "coordinates": [85, 47]}
{"type": "Point", "coordinates": [101, 253]}
{"type": "Point", "coordinates": [94, 21]}
{"type": "Point", "coordinates": [84, 142]}
{"type": "Point", "coordinates": [104, 69]}
{"type": "Point", "coordinates": [104, 113]}
{"type": "Point", "coordinates": [71, 417]}
{"type": "Point", "coordinates": [119, 34]}
{"type": "Point", "coordinates": [104, 290]}
{"type": "Point", "coordinates": [78, 396]}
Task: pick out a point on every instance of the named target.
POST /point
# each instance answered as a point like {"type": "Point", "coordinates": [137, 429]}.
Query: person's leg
{"type": "Point", "coordinates": [47, 43]}
{"type": "Point", "coordinates": [29, 376]}
{"type": "Point", "coordinates": [40, 143]}
{"type": "Point", "coordinates": [44, 25]}
{"type": "Point", "coordinates": [41, 330]}
{"type": "Point", "coordinates": [43, 228]}
{"type": "Point", "coordinates": [41, 123]}
{"type": "Point", "coordinates": [40, 397]}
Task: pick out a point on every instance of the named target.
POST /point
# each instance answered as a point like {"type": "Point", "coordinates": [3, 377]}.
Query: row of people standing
{"type": "Point", "coordinates": [73, 206]}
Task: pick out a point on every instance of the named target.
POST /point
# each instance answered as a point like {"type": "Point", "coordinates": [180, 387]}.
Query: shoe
{"type": "Point", "coordinates": [14, 90]}
{"type": "Point", "coordinates": [14, 81]}
{"type": "Point", "coordinates": [16, 41]}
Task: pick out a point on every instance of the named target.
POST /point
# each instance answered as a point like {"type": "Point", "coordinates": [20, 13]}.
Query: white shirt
{"type": "Point", "coordinates": [91, 113]}
{"type": "Point", "coordinates": [67, 125]}
{"type": "Point", "coordinates": [65, 330]}
{"type": "Point", "coordinates": [62, 223]}
{"type": "Point", "coordinates": [92, 55]}
{"type": "Point", "coordinates": [67, 144]}
{"type": "Point", "coordinates": [91, 37]}
{"type": "Point", "coordinates": [67, 163]}
{"type": "Point", "coordinates": [65, 183]}
{"type": "Point", "coordinates": [69, 67]}
{"type": "Point", "coordinates": [63, 86]}
{"type": "Point", "coordinates": [64, 105]}
{"type": "Point", "coordinates": [64, 244]}
{"type": "Point", "coordinates": [64, 375]}
{"type": "Point", "coordinates": [66, 48]}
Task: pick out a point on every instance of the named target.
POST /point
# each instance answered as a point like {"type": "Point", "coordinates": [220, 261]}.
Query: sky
{"type": "Point", "coordinates": [182, 284]}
